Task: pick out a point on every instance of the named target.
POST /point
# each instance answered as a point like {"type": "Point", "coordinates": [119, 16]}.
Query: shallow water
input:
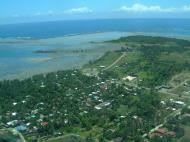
{"type": "Point", "coordinates": [19, 60]}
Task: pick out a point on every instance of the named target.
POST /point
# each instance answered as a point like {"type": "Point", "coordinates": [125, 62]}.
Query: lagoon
{"type": "Point", "coordinates": [33, 48]}
{"type": "Point", "coordinates": [19, 59]}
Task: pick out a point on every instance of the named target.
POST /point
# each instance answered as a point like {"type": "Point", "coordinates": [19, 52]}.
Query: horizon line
{"type": "Point", "coordinates": [66, 20]}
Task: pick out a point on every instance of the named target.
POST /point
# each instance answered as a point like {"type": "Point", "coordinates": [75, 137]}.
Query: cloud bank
{"type": "Point", "coordinates": [186, 8]}
{"type": "Point", "coordinates": [139, 8]}
{"type": "Point", "coordinates": [80, 10]}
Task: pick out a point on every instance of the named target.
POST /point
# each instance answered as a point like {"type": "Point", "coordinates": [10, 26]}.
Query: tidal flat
{"type": "Point", "coordinates": [23, 57]}
{"type": "Point", "coordinates": [20, 57]}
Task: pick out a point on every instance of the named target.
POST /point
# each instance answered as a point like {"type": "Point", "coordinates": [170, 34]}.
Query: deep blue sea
{"type": "Point", "coordinates": [61, 28]}
{"type": "Point", "coordinates": [19, 60]}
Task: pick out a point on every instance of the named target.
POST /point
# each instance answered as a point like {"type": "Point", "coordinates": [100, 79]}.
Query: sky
{"type": "Point", "coordinates": [21, 11]}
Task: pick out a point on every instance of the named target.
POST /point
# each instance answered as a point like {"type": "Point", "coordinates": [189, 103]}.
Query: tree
{"type": "Point", "coordinates": [101, 139]}
{"type": "Point", "coordinates": [89, 138]}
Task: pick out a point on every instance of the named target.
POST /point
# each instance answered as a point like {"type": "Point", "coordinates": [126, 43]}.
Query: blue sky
{"type": "Point", "coordinates": [19, 11]}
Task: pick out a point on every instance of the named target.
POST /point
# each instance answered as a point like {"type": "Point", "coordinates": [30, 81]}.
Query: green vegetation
{"type": "Point", "coordinates": [154, 59]}
{"type": "Point", "coordinates": [67, 138]}
{"type": "Point", "coordinates": [69, 102]}
{"type": "Point", "coordinates": [8, 135]}
{"type": "Point", "coordinates": [63, 105]}
{"type": "Point", "coordinates": [141, 39]}
{"type": "Point", "coordinates": [104, 61]}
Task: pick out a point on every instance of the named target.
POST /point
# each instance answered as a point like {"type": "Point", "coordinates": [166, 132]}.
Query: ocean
{"type": "Point", "coordinates": [18, 42]}
{"type": "Point", "coordinates": [61, 28]}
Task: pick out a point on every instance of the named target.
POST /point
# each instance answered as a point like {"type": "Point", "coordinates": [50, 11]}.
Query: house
{"type": "Point", "coordinates": [34, 111]}
{"type": "Point", "coordinates": [66, 121]}
{"type": "Point", "coordinates": [179, 103]}
{"type": "Point", "coordinates": [135, 94]}
{"type": "Point", "coordinates": [104, 87]}
{"type": "Point", "coordinates": [44, 123]}
{"type": "Point", "coordinates": [96, 97]}
{"type": "Point", "coordinates": [122, 116]}
{"type": "Point", "coordinates": [42, 85]}
{"type": "Point", "coordinates": [14, 104]}
{"type": "Point", "coordinates": [21, 128]}
{"type": "Point", "coordinates": [102, 66]}
{"type": "Point", "coordinates": [163, 87]}
{"type": "Point", "coordinates": [163, 102]}
{"type": "Point", "coordinates": [122, 95]}
{"type": "Point", "coordinates": [102, 105]}
{"type": "Point", "coordinates": [100, 100]}
{"type": "Point", "coordinates": [23, 101]}
{"type": "Point", "coordinates": [159, 132]}
{"type": "Point", "coordinates": [94, 93]}
{"type": "Point", "coordinates": [162, 132]}
{"type": "Point", "coordinates": [97, 107]}
{"type": "Point", "coordinates": [12, 123]}
{"type": "Point", "coordinates": [129, 78]}
{"type": "Point", "coordinates": [14, 114]}
{"type": "Point", "coordinates": [106, 103]}
{"type": "Point", "coordinates": [28, 124]}
{"type": "Point", "coordinates": [135, 117]}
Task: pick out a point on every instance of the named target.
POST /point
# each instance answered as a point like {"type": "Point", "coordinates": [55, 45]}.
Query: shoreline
{"type": "Point", "coordinates": [179, 36]}
{"type": "Point", "coordinates": [25, 75]}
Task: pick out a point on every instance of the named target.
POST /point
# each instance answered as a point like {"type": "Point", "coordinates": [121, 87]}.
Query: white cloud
{"type": "Point", "coordinates": [186, 8]}
{"type": "Point", "coordinates": [50, 12]}
{"type": "Point", "coordinates": [79, 10]}
{"type": "Point", "coordinates": [144, 8]}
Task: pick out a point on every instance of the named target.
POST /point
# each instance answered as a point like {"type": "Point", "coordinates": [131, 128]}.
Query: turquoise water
{"type": "Point", "coordinates": [19, 60]}
{"type": "Point", "coordinates": [19, 42]}
{"type": "Point", "coordinates": [61, 28]}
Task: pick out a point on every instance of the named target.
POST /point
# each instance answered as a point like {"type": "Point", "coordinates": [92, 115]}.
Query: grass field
{"type": "Point", "coordinates": [105, 60]}
{"type": "Point", "coordinates": [67, 138]}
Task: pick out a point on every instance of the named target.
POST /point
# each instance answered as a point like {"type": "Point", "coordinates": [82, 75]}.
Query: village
{"type": "Point", "coordinates": [35, 117]}
{"type": "Point", "coordinates": [108, 100]}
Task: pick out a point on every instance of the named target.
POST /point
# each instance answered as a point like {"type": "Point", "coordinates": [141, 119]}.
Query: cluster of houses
{"type": "Point", "coordinates": [173, 105]}
{"type": "Point", "coordinates": [34, 118]}
{"type": "Point", "coordinates": [102, 105]}
{"type": "Point", "coordinates": [94, 98]}
{"type": "Point", "coordinates": [31, 120]}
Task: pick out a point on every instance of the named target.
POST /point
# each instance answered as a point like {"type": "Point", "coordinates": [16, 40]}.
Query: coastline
{"type": "Point", "coordinates": [179, 36]}
{"type": "Point", "coordinates": [52, 68]}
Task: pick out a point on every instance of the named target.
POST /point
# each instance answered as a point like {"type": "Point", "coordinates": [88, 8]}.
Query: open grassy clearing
{"type": "Point", "coordinates": [67, 138]}
{"type": "Point", "coordinates": [180, 78]}
{"type": "Point", "coordinates": [105, 60]}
